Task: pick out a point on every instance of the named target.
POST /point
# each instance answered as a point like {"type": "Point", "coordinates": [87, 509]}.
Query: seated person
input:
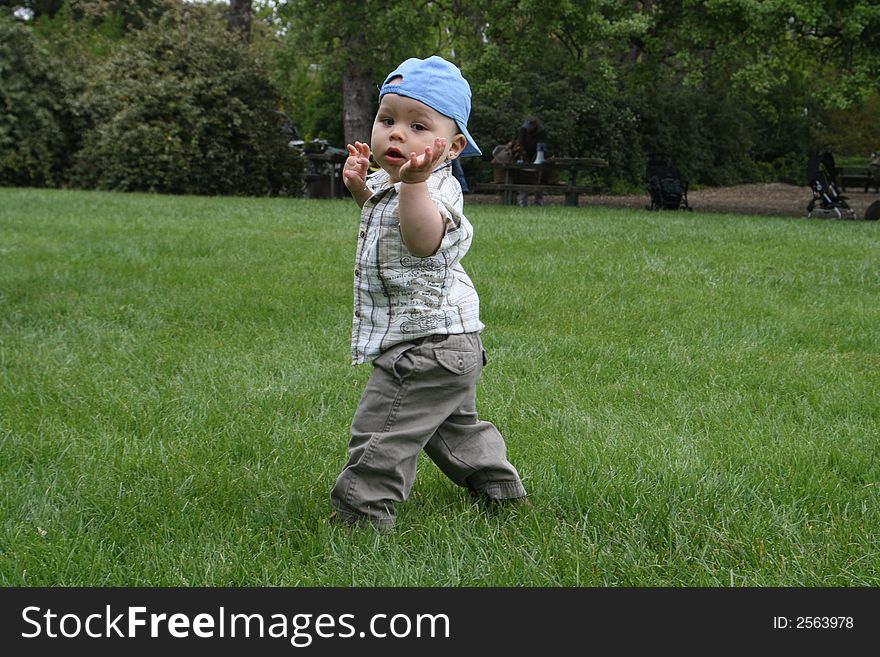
{"type": "Point", "coordinates": [529, 147]}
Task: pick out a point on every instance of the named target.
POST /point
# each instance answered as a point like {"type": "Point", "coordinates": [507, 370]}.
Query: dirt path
{"type": "Point", "coordinates": [767, 199]}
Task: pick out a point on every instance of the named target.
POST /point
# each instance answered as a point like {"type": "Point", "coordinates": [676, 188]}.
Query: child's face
{"type": "Point", "coordinates": [404, 126]}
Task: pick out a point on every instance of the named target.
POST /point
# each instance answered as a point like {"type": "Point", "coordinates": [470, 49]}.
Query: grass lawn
{"type": "Point", "coordinates": [692, 399]}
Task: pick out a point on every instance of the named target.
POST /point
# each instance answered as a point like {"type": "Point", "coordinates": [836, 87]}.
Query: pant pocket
{"type": "Point", "coordinates": [457, 361]}
{"type": "Point", "coordinates": [396, 360]}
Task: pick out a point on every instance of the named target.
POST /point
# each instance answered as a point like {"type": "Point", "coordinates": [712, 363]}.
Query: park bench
{"type": "Point", "coordinates": [509, 191]}
{"type": "Point", "coordinates": [860, 180]}
{"type": "Point", "coordinates": [508, 188]}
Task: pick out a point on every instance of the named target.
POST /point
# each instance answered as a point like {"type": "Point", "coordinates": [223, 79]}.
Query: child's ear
{"type": "Point", "coordinates": [457, 146]}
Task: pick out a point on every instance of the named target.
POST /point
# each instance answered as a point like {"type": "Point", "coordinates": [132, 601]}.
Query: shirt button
{"type": "Point", "coordinates": [363, 234]}
{"type": "Point", "coordinates": [357, 272]}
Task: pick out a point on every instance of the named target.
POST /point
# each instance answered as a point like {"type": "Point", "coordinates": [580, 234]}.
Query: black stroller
{"type": "Point", "coordinates": [668, 190]}
{"type": "Point", "coordinates": [827, 202]}
{"type": "Point", "coordinates": [873, 173]}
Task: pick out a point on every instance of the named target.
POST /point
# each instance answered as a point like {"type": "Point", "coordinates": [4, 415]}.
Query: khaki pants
{"type": "Point", "coordinates": [421, 395]}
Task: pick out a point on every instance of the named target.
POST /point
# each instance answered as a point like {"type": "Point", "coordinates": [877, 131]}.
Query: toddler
{"type": "Point", "coordinates": [416, 312]}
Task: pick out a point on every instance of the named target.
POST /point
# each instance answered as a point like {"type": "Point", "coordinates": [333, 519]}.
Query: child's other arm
{"type": "Point", "coordinates": [421, 224]}
{"type": "Point", "coordinates": [354, 173]}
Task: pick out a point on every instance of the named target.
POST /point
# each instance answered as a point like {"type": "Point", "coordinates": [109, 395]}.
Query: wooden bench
{"type": "Point", "coordinates": [513, 177]}
{"type": "Point", "coordinates": [858, 180]}
{"type": "Point", "coordinates": [571, 192]}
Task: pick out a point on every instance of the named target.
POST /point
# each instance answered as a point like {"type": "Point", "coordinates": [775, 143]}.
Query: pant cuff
{"type": "Point", "coordinates": [501, 490]}
{"type": "Point", "coordinates": [360, 520]}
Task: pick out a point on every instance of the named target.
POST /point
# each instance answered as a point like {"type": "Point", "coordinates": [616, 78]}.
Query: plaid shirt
{"type": "Point", "coordinates": [399, 297]}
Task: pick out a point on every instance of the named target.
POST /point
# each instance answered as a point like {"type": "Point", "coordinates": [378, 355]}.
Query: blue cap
{"type": "Point", "coordinates": [439, 85]}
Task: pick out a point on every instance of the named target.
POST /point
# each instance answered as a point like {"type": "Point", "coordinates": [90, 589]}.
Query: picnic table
{"type": "Point", "coordinates": [863, 178]}
{"type": "Point", "coordinates": [543, 178]}
{"type": "Point", "coordinates": [323, 174]}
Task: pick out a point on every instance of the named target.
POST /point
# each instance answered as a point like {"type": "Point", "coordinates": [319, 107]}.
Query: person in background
{"type": "Point", "coordinates": [529, 146]}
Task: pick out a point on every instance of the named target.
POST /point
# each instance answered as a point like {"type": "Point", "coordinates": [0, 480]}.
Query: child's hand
{"type": "Point", "coordinates": [419, 167]}
{"type": "Point", "coordinates": [354, 172]}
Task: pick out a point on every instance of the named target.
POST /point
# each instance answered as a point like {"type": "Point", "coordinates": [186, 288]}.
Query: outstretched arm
{"type": "Point", "coordinates": [354, 172]}
{"type": "Point", "coordinates": [421, 224]}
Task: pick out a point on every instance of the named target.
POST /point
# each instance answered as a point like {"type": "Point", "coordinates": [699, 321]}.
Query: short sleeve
{"type": "Point", "coordinates": [448, 199]}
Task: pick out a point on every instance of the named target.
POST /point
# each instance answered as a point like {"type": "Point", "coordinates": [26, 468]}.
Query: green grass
{"type": "Point", "coordinates": [692, 399]}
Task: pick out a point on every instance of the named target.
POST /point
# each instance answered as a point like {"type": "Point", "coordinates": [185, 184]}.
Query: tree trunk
{"type": "Point", "coordinates": [358, 106]}
{"type": "Point", "coordinates": [240, 15]}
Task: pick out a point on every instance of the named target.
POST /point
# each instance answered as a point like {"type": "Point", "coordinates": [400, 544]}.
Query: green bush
{"type": "Point", "coordinates": [183, 107]}
{"type": "Point", "coordinates": [854, 132]}
{"type": "Point", "coordinates": [706, 129]}
{"type": "Point", "coordinates": [34, 112]}
{"type": "Point", "coordinates": [579, 107]}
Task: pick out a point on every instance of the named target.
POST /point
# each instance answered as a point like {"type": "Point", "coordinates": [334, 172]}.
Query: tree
{"type": "Point", "coordinates": [734, 89]}
{"type": "Point", "coordinates": [240, 17]}
{"type": "Point", "coordinates": [30, 9]}
{"type": "Point", "coordinates": [770, 67]}
{"type": "Point", "coordinates": [357, 44]}
{"type": "Point", "coordinates": [558, 61]}
{"type": "Point", "coordinates": [721, 84]}
{"type": "Point", "coordinates": [131, 13]}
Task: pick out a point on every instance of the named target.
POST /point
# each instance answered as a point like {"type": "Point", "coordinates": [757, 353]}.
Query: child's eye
{"type": "Point", "coordinates": [418, 127]}
{"type": "Point", "coordinates": [386, 121]}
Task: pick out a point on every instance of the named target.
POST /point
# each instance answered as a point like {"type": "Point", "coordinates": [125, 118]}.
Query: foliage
{"type": "Point", "coordinates": [854, 132]}
{"type": "Point", "coordinates": [339, 51]}
{"type": "Point", "coordinates": [31, 8]}
{"type": "Point", "coordinates": [182, 108]}
{"type": "Point", "coordinates": [729, 88]}
{"type": "Point", "coordinates": [310, 93]}
{"type": "Point", "coordinates": [128, 14]}
{"type": "Point", "coordinates": [34, 136]}
{"type": "Point", "coordinates": [734, 90]}
{"type": "Point", "coordinates": [787, 63]}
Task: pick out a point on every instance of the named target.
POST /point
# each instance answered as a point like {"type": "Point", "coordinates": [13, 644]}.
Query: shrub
{"type": "Point", "coordinates": [854, 132]}
{"type": "Point", "coordinates": [34, 113]}
{"type": "Point", "coordinates": [183, 107]}
{"type": "Point", "coordinates": [579, 108]}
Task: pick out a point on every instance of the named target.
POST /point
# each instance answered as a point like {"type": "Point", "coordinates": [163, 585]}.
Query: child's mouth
{"type": "Point", "coordinates": [394, 156]}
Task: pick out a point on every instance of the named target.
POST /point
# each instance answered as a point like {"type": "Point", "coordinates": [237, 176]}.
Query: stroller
{"type": "Point", "coordinates": [827, 201]}
{"type": "Point", "coordinates": [873, 173]}
{"type": "Point", "coordinates": [668, 190]}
